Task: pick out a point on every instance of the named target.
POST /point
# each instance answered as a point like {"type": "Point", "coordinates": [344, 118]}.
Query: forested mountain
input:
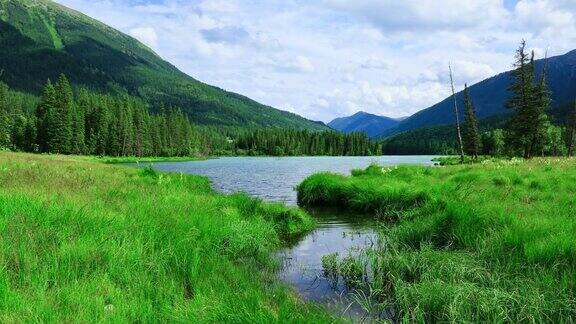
{"type": "Point", "coordinates": [372, 125]}
{"type": "Point", "coordinates": [40, 39]}
{"type": "Point", "coordinates": [490, 95]}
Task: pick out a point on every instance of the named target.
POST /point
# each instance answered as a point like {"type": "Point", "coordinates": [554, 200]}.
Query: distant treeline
{"type": "Point", "coordinates": [279, 142]}
{"type": "Point", "coordinates": [93, 124]}
{"type": "Point", "coordinates": [83, 122]}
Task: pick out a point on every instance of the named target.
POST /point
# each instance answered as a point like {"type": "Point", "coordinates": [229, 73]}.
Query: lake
{"type": "Point", "coordinates": [274, 179]}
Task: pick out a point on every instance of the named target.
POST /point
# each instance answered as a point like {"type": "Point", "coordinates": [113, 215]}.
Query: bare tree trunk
{"type": "Point", "coordinates": [457, 118]}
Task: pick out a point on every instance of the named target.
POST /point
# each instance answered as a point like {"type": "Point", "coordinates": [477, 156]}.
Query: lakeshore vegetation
{"type": "Point", "coordinates": [487, 242]}
{"type": "Point", "coordinates": [83, 241]}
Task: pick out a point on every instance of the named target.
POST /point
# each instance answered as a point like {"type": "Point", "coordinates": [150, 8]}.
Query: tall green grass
{"type": "Point", "coordinates": [495, 241]}
{"type": "Point", "coordinates": [136, 159]}
{"type": "Point", "coordinates": [89, 242]}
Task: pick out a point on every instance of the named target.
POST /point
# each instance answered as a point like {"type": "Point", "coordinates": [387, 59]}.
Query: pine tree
{"type": "Point", "coordinates": [523, 102]}
{"type": "Point", "coordinates": [59, 118]}
{"type": "Point", "coordinates": [43, 114]}
{"type": "Point", "coordinates": [5, 120]}
{"type": "Point", "coordinates": [141, 140]}
{"type": "Point", "coordinates": [30, 135]}
{"type": "Point", "coordinates": [102, 129]}
{"type": "Point", "coordinates": [541, 122]}
{"type": "Point", "coordinates": [472, 139]}
{"type": "Point", "coordinates": [571, 130]}
{"type": "Point", "coordinates": [78, 142]}
{"type": "Point", "coordinates": [18, 133]}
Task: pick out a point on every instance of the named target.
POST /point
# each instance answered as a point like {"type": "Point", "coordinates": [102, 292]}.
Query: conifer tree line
{"type": "Point", "coordinates": [86, 123]}
{"type": "Point", "coordinates": [93, 124]}
{"type": "Point", "coordinates": [280, 142]}
{"type": "Point", "coordinates": [529, 131]}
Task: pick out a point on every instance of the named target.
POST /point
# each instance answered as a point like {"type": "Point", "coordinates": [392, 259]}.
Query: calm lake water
{"type": "Point", "coordinates": [274, 179]}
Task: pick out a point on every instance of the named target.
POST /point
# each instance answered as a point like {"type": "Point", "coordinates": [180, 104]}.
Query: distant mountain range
{"type": "Point", "coordinates": [40, 39]}
{"type": "Point", "coordinates": [372, 125]}
{"type": "Point", "coordinates": [489, 96]}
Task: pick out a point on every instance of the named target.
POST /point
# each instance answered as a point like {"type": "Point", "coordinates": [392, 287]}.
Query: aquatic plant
{"type": "Point", "coordinates": [330, 268]}
{"type": "Point", "coordinates": [352, 271]}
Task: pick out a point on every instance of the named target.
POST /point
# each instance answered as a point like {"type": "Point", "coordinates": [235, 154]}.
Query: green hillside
{"type": "Point", "coordinates": [40, 39]}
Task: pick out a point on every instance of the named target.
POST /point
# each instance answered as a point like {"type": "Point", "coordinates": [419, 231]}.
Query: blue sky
{"type": "Point", "coordinates": [328, 58]}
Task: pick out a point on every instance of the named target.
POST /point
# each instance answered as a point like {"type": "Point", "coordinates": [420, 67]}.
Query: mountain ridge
{"type": "Point", "coordinates": [40, 39]}
{"type": "Point", "coordinates": [361, 121]}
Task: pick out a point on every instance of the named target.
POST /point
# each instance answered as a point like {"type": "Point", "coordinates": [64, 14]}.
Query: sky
{"type": "Point", "coordinates": [329, 58]}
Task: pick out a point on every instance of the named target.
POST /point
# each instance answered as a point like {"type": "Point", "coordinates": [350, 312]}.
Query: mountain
{"type": "Point", "coordinates": [40, 39]}
{"type": "Point", "coordinates": [372, 125]}
{"type": "Point", "coordinates": [490, 95]}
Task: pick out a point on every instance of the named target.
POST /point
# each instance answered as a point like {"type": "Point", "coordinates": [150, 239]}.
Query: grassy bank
{"type": "Point", "coordinates": [494, 241]}
{"type": "Point", "coordinates": [456, 160]}
{"type": "Point", "coordinates": [88, 242]}
{"type": "Point", "coordinates": [135, 159]}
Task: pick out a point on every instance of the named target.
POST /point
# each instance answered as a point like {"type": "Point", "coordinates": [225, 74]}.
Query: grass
{"type": "Point", "coordinates": [493, 241]}
{"type": "Point", "coordinates": [83, 241]}
{"type": "Point", "coordinates": [56, 40]}
{"type": "Point", "coordinates": [456, 160]}
{"type": "Point", "coordinates": [135, 159]}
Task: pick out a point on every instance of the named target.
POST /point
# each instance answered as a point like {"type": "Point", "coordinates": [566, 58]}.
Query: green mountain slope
{"type": "Point", "coordinates": [40, 39]}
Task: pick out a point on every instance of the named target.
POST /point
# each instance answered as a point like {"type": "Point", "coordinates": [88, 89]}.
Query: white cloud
{"type": "Point", "coordinates": [303, 64]}
{"type": "Point", "coordinates": [542, 15]}
{"type": "Point", "coordinates": [327, 58]}
{"type": "Point", "coordinates": [376, 63]}
{"type": "Point", "coordinates": [412, 15]}
{"type": "Point", "coordinates": [146, 35]}
{"type": "Point", "coordinates": [298, 64]}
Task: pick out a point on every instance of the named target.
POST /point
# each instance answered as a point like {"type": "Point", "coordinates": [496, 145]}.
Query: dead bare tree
{"type": "Point", "coordinates": [457, 118]}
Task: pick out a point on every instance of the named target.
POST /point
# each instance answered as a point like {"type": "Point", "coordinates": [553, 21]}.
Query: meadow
{"type": "Point", "coordinates": [85, 241]}
{"type": "Point", "coordinates": [493, 241]}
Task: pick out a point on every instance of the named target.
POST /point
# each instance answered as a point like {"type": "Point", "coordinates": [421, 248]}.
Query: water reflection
{"type": "Point", "coordinates": [337, 232]}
